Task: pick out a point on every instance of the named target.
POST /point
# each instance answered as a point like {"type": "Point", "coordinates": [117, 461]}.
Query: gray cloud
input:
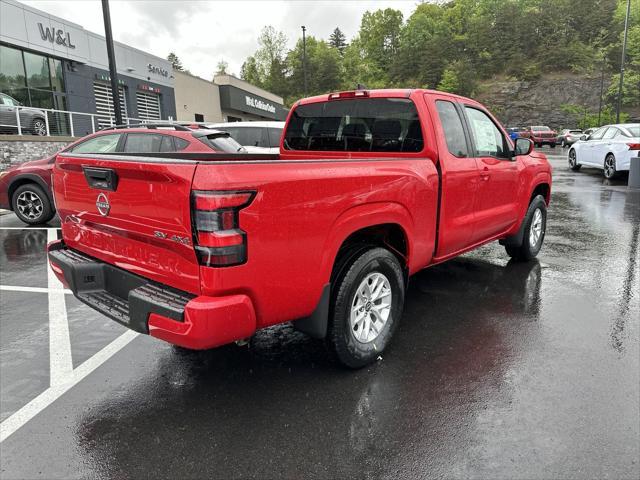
{"type": "Point", "coordinates": [203, 32]}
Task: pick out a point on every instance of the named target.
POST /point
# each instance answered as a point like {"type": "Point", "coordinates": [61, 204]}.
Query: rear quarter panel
{"type": "Point", "coordinates": [303, 212]}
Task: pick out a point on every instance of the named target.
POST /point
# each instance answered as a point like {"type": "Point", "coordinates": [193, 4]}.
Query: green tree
{"type": "Point", "coordinates": [221, 68]}
{"type": "Point", "coordinates": [378, 42]}
{"type": "Point", "coordinates": [175, 62]}
{"type": "Point", "coordinates": [338, 41]}
{"type": "Point", "coordinates": [324, 71]}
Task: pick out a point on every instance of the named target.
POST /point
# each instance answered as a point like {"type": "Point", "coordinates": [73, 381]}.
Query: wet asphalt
{"type": "Point", "coordinates": [498, 370]}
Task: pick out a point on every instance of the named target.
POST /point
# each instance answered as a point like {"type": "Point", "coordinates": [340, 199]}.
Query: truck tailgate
{"type": "Point", "coordinates": [129, 212]}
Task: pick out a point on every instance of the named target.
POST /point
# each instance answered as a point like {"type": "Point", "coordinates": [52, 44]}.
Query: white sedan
{"type": "Point", "coordinates": [609, 148]}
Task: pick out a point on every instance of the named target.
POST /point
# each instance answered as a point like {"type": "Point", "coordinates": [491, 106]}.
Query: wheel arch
{"type": "Point", "coordinates": [26, 179]}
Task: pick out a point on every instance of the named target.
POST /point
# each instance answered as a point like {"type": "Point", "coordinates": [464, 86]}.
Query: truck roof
{"type": "Point", "coordinates": [383, 93]}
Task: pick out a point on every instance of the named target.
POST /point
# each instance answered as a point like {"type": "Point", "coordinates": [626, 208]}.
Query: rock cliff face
{"type": "Point", "coordinates": [520, 103]}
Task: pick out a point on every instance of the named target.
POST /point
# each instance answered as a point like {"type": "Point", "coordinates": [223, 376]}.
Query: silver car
{"type": "Point", "coordinates": [32, 120]}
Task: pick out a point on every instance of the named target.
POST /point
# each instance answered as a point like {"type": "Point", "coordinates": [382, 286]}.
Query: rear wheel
{"type": "Point", "coordinates": [535, 225]}
{"type": "Point", "coordinates": [366, 307]}
{"type": "Point", "coordinates": [552, 145]}
{"type": "Point", "coordinates": [31, 204]}
{"type": "Point", "coordinates": [573, 161]}
{"type": "Point", "coordinates": [39, 127]}
{"type": "Point", "coordinates": [610, 166]}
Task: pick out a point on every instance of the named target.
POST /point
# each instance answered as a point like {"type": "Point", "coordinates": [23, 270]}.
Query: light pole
{"type": "Point", "coordinates": [624, 52]}
{"type": "Point", "coordinates": [304, 58]}
{"type": "Point", "coordinates": [601, 90]}
{"type": "Point", "coordinates": [113, 73]}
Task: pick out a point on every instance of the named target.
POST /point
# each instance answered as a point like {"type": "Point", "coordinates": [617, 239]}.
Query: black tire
{"type": "Point", "coordinates": [573, 161]}
{"type": "Point", "coordinates": [31, 204]}
{"type": "Point", "coordinates": [564, 144]}
{"type": "Point", "coordinates": [610, 170]}
{"type": "Point", "coordinates": [552, 145]}
{"type": "Point", "coordinates": [39, 127]}
{"type": "Point", "coordinates": [527, 251]}
{"type": "Point", "coordinates": [349, 350]}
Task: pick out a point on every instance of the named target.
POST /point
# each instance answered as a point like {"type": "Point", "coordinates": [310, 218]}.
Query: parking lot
{"type": "Point", "coordinates": [498, 370]}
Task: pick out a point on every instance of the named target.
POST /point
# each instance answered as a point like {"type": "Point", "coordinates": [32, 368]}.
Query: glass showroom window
{"type": "Point", "coordinates": [30, 78]}
{"type": "Point", "coordinates": [12, 76]}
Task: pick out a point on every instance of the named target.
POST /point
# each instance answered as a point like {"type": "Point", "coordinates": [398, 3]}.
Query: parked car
{"type": "Point", "coordinates": [256, 137]}
{"type": "Point", "coordinates": [540, 135]}
{"type": "Point", "coordinates": [569, 137]}
{"type": "Point", "coordinates": [32, 120]}
{"type": "Point", "coordinates": [26, 188]}
{"type": "Point", "coordinates": [369, 188]}
{"type": "Point", "coordinates": [609, 148]}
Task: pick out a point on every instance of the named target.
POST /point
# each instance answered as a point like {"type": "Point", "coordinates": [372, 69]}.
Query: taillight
{"type": "Point", "coordinates": [634, 146]}
{"type": "Point", "coordinates": [218, 239]}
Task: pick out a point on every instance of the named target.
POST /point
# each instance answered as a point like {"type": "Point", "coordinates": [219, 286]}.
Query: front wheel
{"type": "Point", "coordinates": [573, 161]}
{"type": "Point", "coordinates": [535, 225]}
{"type": "Point", "coordinates": [366, 307]}
{"type": "Point", "coordinates": [610, 167]}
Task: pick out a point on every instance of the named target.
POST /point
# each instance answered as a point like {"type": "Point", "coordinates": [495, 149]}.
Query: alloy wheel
{"type": "Point", "coordinates": [572, 158]}
{"type": "Point", "coordinates": [29, 205]}
{"type": "Point", "coordinates": [536, 228]}
{"type": "Point", "coordinates": [39, 128]}
{"type": "Point", "coordinates": [609, 166]}
{"type": "Point", "coordinates": [370, 307]}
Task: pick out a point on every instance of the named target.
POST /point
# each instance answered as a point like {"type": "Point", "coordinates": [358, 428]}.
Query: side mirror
{"type": "Point", "coordinates": [583, 137]}
{"type": "Point", "coordinates": [523, 146]}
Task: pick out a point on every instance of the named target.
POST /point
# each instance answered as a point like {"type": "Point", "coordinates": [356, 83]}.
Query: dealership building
{"type": "Point", "coordinates": [49, 62]}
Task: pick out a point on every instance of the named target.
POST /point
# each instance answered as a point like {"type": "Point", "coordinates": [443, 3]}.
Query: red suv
{"type": "Point", "coordinates": [26, 188]}
{"type": "Point", "coordinates": [540, 135]}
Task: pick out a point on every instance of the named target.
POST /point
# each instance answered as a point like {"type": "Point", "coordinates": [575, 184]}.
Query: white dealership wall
{"type": "Point", "coordinates": [196, 95]}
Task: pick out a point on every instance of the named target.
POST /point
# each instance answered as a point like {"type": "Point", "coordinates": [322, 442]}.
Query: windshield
{"type": "Point", "coordinates": [356, 125]}
{"type": "Point", "coordinates": [541, 128]}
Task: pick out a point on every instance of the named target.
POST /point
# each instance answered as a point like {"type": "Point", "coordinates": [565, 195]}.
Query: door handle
{"type": "Point", "coordinates": [485, 174]}
{"type": "Point", "coordinates": [101, 178]}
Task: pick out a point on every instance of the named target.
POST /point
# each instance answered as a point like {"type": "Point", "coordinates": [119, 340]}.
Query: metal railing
{"type": "Point", "coordinates": [50, 122]}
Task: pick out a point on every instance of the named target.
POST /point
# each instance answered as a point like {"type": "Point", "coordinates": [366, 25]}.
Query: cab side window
{"type": "Point", "coordinates": [148, 143]}
{"type": "Point", "coordinates": [99, 144]}
{"type": "Point", "coordinates": [598, 134]}
{"type": "Point", "coordinates": [453, 129]}
{"type": "Point", "coordinates": [488, 139]}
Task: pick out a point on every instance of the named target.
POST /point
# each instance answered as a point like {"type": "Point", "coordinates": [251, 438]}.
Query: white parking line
{"type": "Point", "coordinates": [29, 228]}
{"type": "Point", "coordinates": [15, 288]}
{"type": "Point", "coordinates": [60, 362]}
{"type": "Point", "coordinates": [50, 395]}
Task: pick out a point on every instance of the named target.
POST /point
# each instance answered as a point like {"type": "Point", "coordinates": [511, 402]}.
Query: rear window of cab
{"type": "Point", "coordinates": [355, 125]}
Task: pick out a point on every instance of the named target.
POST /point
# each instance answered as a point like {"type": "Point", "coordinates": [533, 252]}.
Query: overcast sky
{"type": "Point", "coordinates": [202, 33]}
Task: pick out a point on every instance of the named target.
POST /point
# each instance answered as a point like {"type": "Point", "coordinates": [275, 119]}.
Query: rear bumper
{"type": "Point", "coordinates": [178, 317]}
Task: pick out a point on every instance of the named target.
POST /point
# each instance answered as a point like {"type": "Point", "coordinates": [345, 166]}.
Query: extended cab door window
{"type": "Point", "coordinates": [487, 137]}
{"type": "Point", "coordinates": [453, 129]}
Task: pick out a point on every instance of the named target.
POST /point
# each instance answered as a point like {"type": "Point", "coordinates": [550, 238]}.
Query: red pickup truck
{"type": "Point", "coordinates": [369, 187]}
